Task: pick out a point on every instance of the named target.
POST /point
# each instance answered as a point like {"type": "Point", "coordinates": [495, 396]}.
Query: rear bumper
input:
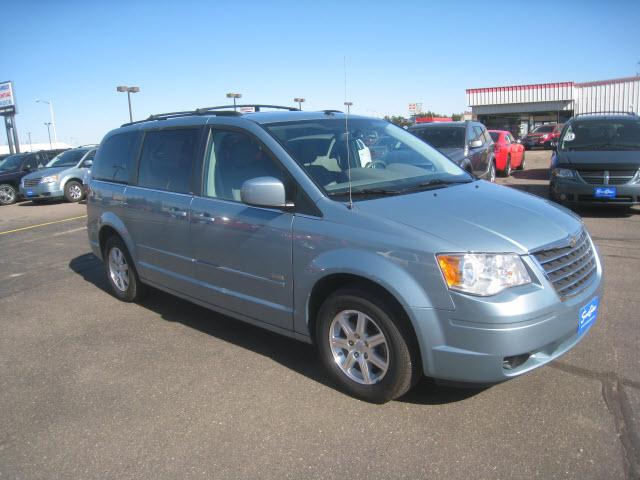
{"type": "Point", "coordinates": [44, 190]}
{"type": "Point", "coordinates": [472, 343]}
{"type": "Point", "coordinates": [576, 192]}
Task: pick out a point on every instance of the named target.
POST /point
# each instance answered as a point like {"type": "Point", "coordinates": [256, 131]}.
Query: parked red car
{"type": "Point", "coordinates": [542, 136]}
{"type": "Point", "coordinates": [508, 153]}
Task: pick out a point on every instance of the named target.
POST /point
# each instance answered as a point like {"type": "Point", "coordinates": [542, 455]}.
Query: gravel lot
{"type": "Point", "coordinates": [94, 388]}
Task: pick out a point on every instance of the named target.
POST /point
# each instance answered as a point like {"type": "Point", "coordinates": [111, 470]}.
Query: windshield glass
{"type": "Point", "coordinates": [494, 136]}
{"type": "Point", "coordinates": [393, 161]}
{"type": "Point", "coordinates": [443, 137]}
{"type": "Point", "coordinates": [602, 135]}
{"type": "Point", "coordinates": [543, 129]}
{"type": "Point", "coordinates": [12, 162]}
{"type": "Point", "coordinates": [67, 159]}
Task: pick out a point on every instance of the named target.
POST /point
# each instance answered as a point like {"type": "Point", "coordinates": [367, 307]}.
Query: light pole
{"type": "Point", "coordinates": [48, 124]}
{"type": "Point", "coordinates": [30, 146]}
{"type": "Point", "coordinates": [129, 90]}
{"type": "Point", "coordinates": [234, 96]}
{"type": "Point", "coordinates": [300, 100]}
{"type": "Point", "coordinates": [53, 121]}
{"type": "Point", "coordinates": [348, 105]}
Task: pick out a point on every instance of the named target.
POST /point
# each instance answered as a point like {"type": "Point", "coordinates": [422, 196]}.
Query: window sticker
{"type": "Point", "coordinates": [570, 136]}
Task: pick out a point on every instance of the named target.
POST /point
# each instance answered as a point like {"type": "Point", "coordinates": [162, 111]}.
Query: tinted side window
{"type": "Point", "coordinates": [232, 159]}
{"type": "Point", "coordinates": [486, 136]}
{"type": "Point", "coordinates": [477, 134]}
{"type": "Point", "coordinates": [115, 157]}
{"type": "Point", "coordinates": [167, 160]}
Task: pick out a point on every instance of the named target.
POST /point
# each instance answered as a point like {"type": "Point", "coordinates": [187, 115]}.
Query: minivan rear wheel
{"type": "Point", "coordinates": [8, 194]}
{"type": "Point", "coordinates": [121, 273]}
{"type": "Point", "coordinates": [365, 346]}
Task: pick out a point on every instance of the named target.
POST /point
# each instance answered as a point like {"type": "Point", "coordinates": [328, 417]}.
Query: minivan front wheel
{"type": "Point", "coordinates": [73, 192]}
{"type": "Point", "coordinates": [121, 274]}
{"type": "Point", "coordinates": [363, 348]}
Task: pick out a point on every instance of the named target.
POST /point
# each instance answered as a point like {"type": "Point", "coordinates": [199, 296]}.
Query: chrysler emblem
{"type": "Point", "coordinates": [573, 242]}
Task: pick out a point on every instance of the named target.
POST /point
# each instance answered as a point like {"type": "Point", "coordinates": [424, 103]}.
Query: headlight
{"type": "Point", "coordinates": [563, 173]}
{"type": "Point", "coordinates": [482, 273]}
{"type": "Point", "coordinates": [49, 179]}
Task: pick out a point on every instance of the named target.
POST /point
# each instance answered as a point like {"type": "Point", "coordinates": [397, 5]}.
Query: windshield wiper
{"type": "Point", "coordinates": [365, 191]}
{"type": "Point", "coordinates": [435, 183]}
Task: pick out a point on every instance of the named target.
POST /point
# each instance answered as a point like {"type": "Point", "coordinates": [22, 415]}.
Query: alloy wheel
{"type": "Point", "coordinates": [7, 194]}
{"type": "Point", "coordinates": [118, 269]}
{"type": "Point", "coordinates": [75, 192]}
{"type": "Point", "coordinates": [359, 347]}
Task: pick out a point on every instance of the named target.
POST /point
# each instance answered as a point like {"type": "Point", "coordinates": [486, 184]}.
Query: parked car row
{"type": "Point", "coordinates": [41, 176]}
{"type": "Point", "coordinates": [391, 259]}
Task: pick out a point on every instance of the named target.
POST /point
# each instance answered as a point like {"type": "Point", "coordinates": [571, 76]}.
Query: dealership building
{"type": "Point", "coordinates": [520, 108]}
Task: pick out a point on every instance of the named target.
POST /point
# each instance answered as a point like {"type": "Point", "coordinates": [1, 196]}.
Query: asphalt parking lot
{"type": "Point", "coordinates": [94, 388]}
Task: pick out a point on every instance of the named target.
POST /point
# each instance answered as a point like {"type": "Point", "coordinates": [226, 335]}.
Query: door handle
{"type": "Point", "coordinates": [177, 213]}
{"type": "Point", "coordinates": [204, 217]}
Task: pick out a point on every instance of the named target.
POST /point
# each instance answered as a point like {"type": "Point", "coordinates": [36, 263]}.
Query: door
{"type": "Point", "coordinates": [243, 254]}
{"type": "Point", "coordinates": [477, 155]}
{"type": "Point", "coordinates": [157, 207]}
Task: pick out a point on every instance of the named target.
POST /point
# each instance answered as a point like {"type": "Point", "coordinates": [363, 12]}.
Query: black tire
{"type": "Point", "coordinates": [401, 353]}
{"type": "Point", "coordinates": [492, 171]}
{"type": "Point", "coordinates": [73, 191]}
{"type": "Point", "coordinates": [507, 167]}
{"type": "Point", "coordinates": [8, 194]}
{"type": "Point", "coordinates": [135, 289]}
{"type": "Point", "coordinates": [522, 162]}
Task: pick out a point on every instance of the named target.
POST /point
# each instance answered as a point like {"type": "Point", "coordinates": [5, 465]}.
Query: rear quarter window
{"type": "Point", "coordinates": [115, 158]}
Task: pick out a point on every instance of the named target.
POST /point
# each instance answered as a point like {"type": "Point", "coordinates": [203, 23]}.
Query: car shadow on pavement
{"type": "Point", "coordinates": [297, 356]}
{"type": "Point", "coordinates": [533, 174]}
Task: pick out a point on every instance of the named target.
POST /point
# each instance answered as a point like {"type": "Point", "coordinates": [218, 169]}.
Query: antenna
{"type": "Point", "coordinates": [346, 131]}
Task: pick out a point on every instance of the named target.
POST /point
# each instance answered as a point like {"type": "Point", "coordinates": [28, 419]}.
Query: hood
{"type": "Point", "coordinates": [43, 172]}
{"type": "Point", "coordinates": [600, 159]}
{"type": "Point", "coordinates": [479, 216]}
{"type": "Point", "coordinates": [455, 154]}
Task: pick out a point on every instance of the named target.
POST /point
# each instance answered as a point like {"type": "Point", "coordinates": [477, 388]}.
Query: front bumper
{"type": "Point", "coordinates": [577, 192]}
{"type": "Point", "coordinates": [476, 342]}
{"type": "Point", "coordinates": [42, 190]}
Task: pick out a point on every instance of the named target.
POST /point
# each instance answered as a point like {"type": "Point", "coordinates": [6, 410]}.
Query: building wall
{"type": "Point", "coordinates": [621, 94]}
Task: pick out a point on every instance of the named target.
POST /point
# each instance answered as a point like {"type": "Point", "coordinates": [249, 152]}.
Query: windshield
{"type": "Point", "coordinates": [67, 159]}
{"type": "Point", "coordinates": [393, 162]}
{"type": "Point", "coordinates": [602, 135]}
{"type": "Point", "coordinates": [543, 129]}
{"type": "Point", "coordinates": [12, 162]}
{"type": "Point", "coordinates": [443, 137]}
{"type": "Point", "coordinates": [494, 136]}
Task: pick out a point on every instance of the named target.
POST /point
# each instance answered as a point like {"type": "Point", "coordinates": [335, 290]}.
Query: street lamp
{"type": "Point", "coordinates": [234, 96]}
{"type": "Point", "coordinates": [348, 105]}
{"type": "Point", "coordinates": [48, 124]}
{"type": "Point", "coordinates": [53, 121]}
{"type": "Point", "coordinates": [129, 90]}
{"type": "Point", "coordinates": [299, 100]}
{"type": "Point", "coordinates": [30, 145]}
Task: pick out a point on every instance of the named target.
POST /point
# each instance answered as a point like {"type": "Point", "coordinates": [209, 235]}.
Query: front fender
{"type": "Point", "coordinates": [383, 268]}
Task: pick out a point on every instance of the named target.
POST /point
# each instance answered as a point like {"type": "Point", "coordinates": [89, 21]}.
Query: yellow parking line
{"type": "Point", "coordinates": [42, 224]}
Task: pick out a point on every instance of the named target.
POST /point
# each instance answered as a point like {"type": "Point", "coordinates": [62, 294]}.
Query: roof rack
{"type": "Point", "coordinates": [222, 110]}
{"type": "Point", "coordinates": [611, 112]}
{"type": "Point", "coordinates": [257, 106]}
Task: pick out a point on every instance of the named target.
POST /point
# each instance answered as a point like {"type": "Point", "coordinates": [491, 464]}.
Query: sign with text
{"type": "Point", "coordinates": [7, 99]}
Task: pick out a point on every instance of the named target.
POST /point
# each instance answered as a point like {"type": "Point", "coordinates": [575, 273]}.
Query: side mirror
{"type": "Point", "coordinates": [475, 143]}
{"type": "Point", "coordinates": [264, 192]}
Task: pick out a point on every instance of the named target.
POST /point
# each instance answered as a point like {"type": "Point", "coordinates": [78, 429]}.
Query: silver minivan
{"type": "Point", "coordinates": [395, 266]}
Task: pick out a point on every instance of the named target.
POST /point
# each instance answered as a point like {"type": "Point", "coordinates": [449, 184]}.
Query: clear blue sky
{"type": "Point", "coordinates": [186, 54]}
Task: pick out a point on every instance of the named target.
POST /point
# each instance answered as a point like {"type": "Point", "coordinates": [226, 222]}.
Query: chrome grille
{"type": "Point", "coordinates": [570, 267]}
{"type": "Point", "coordinates": [607, 177]}
{"type": "Point", "coordinates": [32, 182]}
